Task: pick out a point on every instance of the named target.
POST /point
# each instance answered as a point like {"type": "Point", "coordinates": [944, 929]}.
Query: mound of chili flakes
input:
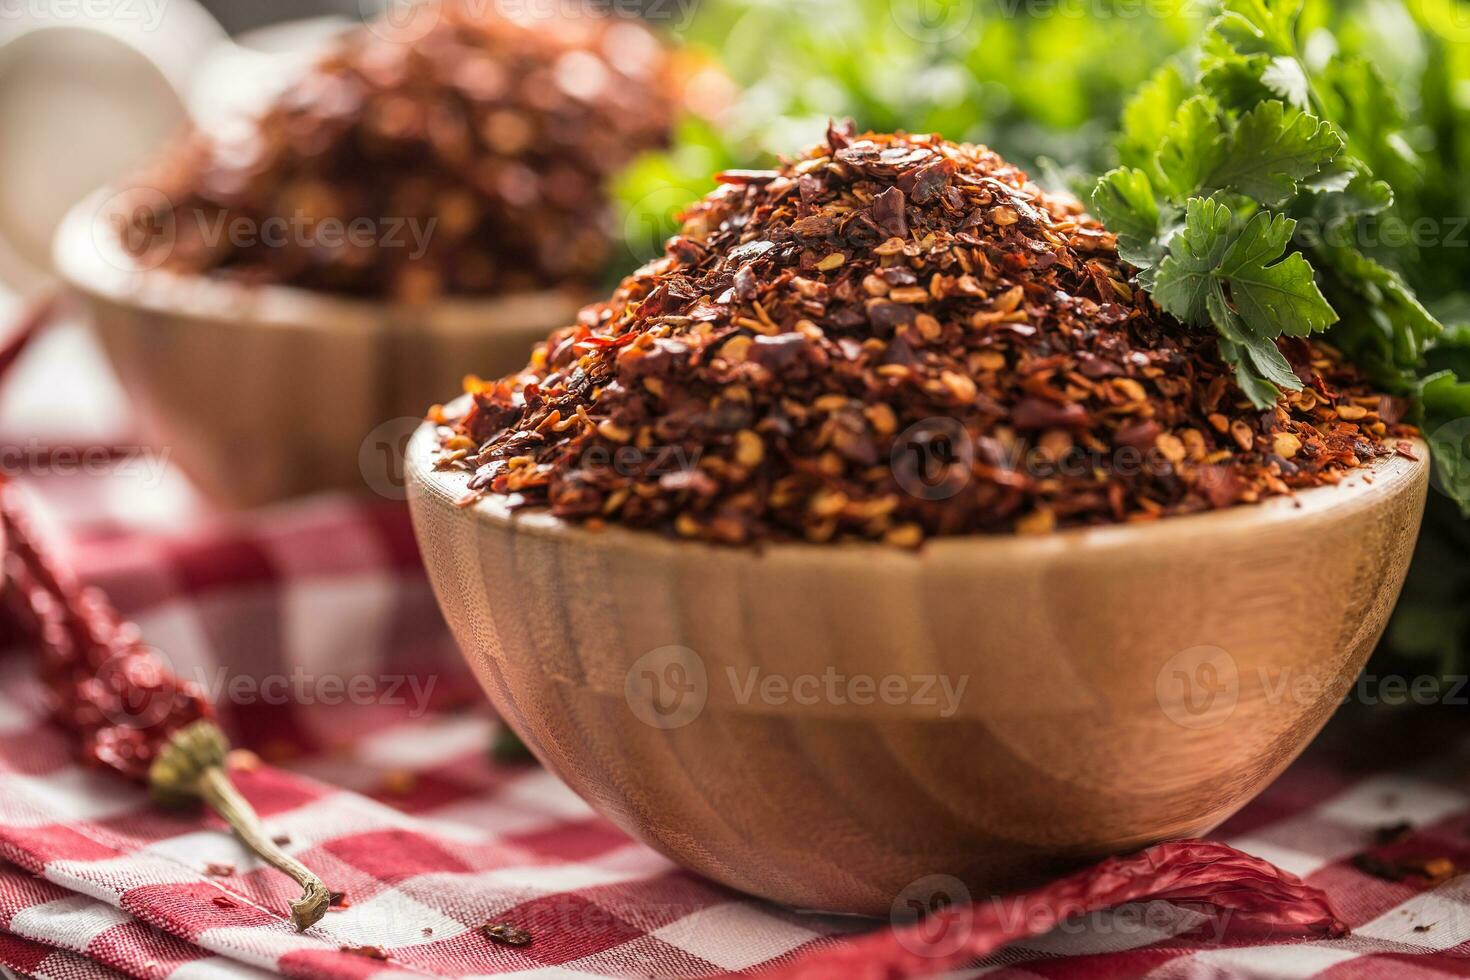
{"type": "Point", "coordinates": [894, 337]}
{"type": "Point", "coordinates": [474, 159]}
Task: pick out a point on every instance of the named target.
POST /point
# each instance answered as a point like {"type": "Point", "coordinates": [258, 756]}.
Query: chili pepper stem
{"type": "Point", "coordinates": [192, 767]}
{"type": "Point", "coordinates": [220, 794]}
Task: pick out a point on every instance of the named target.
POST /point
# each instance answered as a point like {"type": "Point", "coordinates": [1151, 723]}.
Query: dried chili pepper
{"type": "Point", "coordinates": [1250, 891]}
{"type": "Point", "coordinates": [132, 716]}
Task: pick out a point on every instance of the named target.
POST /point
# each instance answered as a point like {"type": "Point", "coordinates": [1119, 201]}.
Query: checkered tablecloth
{"type": "Point", "coordinates": [391, 794]}
{"type": "Point", "coordinates": [316, 631]}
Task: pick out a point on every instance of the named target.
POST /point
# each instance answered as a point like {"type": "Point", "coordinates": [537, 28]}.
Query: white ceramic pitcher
{"type": "Point", "coordinates": [91, 88]}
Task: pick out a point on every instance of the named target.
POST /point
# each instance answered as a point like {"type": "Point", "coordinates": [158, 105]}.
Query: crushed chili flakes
{"type": "Point", "coordinates": [370, 952]}
{"type": "Point", "coordinates": [504, 932]}
{"type": "Point", "coordinates": [486, 145]}
{"type": "Point", "coordinates": [399, 782]}
{"type": "Point", "coordinates": [1393, 833]}
{"type": "Point", "coordinates": [1433, 870]}
{"type": "Point", "coordinates": [892, 337]}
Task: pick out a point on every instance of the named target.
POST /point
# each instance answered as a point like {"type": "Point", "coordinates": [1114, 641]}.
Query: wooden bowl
{"type": "Point", "coordinates": [265, 392]}
{"type": "Point", "coordinates": [1122, 685]}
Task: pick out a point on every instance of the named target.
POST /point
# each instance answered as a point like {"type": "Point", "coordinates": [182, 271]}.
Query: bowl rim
{"type": "Point", "coordinates": [1371, 486]}
{"type": "Point", "coordinates": [88, 259]}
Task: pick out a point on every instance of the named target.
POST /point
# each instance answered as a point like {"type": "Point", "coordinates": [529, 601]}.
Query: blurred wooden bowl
{"type": "Point", "coordinates": [1121, 685]}
{"type": "Point", "coordinates": [265, 392]}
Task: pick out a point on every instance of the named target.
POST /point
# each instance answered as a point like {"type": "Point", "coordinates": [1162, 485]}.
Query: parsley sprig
{"type": "Point", "coordinates": [1215, 163]}
{"type": "Point", "coordinates": [1245, 179]}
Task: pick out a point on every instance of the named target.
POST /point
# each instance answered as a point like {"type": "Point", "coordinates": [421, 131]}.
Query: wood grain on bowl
{"type": "Point", "coordinates": [266, 392]}
{"type": "Point", "coordinates": [1048, 699]}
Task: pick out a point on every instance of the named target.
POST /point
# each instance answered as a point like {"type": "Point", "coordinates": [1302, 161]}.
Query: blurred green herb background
{"type": "Point", "coordinates": [1041, 81]}
{"type": "Point", "coordinates": [1072, 88]}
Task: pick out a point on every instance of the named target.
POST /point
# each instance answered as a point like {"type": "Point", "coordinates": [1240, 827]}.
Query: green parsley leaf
{"type": "Point", "coordinates": [1272, 151]}
{"type": "Point", "coordinates": [1148, 115]}
{"type": "Point", "coordinates": [1191, 150]}
{"type": "Point", "coordinates": [1277, 298]}
{"type": "Point", "coordinates": [1360, 101]}
{"type": "Point", "coordinates": [1185, 278]}
{"type": "Point", "coordinates": [1451, 351]}
{"type": "Point", "coordinates": [1252, 383]}
{"type": "Point", "coordinates": [1446, 401]}
{"type": "Point", "coordinates": [1259, 26]}
{"type": "Point", "coordinates": [1124, 200]}
{"type": "Point", "coordinates": [1345, 190]}
{"type": "Point", "coordinates": [1385, 329]}
{"type": "Point", "coordinates": [1245, 284]}
{"type": "Point", "coordinates": [1239, 81]}
{"type": "Point", "coordinates": [1247, 145]}
{"type": "Point", "coordinates": [1260, 367]}
{"type": "Point", "coordinates": [1286, 77]}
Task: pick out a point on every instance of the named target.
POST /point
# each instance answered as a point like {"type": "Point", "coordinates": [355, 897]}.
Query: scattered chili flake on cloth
{"type": "Point", "coordinates": [892, 337]}
{"type": "Point", "coordinates": [474, 159]}
{"type": "Point", "coordinates": [504, 932]}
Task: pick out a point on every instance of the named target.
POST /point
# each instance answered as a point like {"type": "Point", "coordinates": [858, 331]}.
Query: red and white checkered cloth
{"type": "Point", "coordinates": [315, 630]}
